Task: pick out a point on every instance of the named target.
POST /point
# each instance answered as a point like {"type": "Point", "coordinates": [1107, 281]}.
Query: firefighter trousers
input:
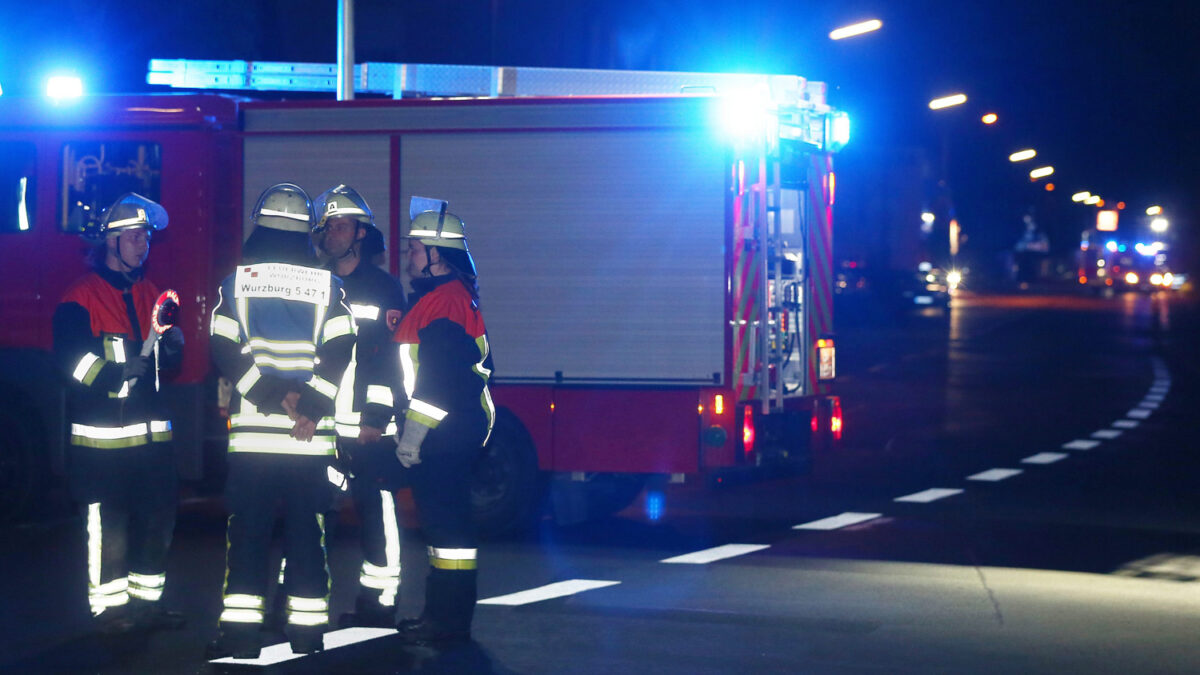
{"type": "Point", "coordinates": [128, 497]}
{"type": "Point", "coordinates": [376, 475]}
{"type": "Point", "coordinates": [258, 483]}
{"type": "Point", "coordinates": [441, 486]}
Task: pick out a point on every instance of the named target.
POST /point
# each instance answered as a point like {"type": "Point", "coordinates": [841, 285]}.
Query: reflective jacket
{"type": "Point", "coordinates": [365, 394]}
{"type": "Point", "coordinates": [445, 359]}
{"type": "Point", "coordinates": [280, 328]}
{"type": "Point", "coordinates": [99, 325]}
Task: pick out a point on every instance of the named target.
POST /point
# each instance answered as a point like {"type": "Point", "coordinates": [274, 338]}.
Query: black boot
{"type": "Point", "coordinates": [239, 640]}
{"type": "Point", "coordinates": [306, 639]}
{"type": "Point", "coordinates": [426, 631]}
{"type": "Point", "coordinates": [152, 616]}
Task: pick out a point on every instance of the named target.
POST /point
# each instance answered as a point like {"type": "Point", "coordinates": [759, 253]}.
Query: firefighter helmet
{"type": "Point", "coordinates": [444, 230]}
{"type": "Point", "coordinates": [129, 211]}
{"type": "Point", "coordinates": [341, 201]}
{"type": "Point", "coordinates": [284, 206]}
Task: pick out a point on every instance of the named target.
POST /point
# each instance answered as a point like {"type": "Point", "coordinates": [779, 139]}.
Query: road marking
{"type": "Point", "coordinates": [1106, 434]}
{"type": "Point", "coordinates": [995, 474]}
{"type": "Point", "coordinates": [839, 521]}
{"type": "Point", "coordinates": [555, 590]}
{"type": "Point", "coordinates": [1149, 405]}
{"type": "Point", "coordinates": [1139, 413]}
{"type": "Point", "coordinates": [1160, 389]}
{"type": "Point", "coordinates": [719, 553]}
{"type": "Point", "coordinates": [1126, 424]}
{"type": "Point", "coordinates": [1045, 458]}
{"type": "Point", "coordinates": [1080, 444]}
{"type": "Point", "coordinates": [926, 496]}
{"type": "Point", "coordinates": [283, 651]}
{"type": "Point", "coordinates": [1154, 397]}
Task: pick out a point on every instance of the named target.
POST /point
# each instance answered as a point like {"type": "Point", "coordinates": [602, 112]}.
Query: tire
{"type": "Point", "coordinates": [506, 486]}
{"type": "Point", "coordinates": [20, 466]}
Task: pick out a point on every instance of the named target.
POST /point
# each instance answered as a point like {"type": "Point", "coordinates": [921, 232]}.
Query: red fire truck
{"type": "Point", "coordinates": [653, 248]}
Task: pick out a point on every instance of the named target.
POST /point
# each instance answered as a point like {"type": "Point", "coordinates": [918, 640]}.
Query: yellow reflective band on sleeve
{"type": "Point", "coordinates": [377, 393]}
{"type": "Point", "coordinates": [425, 413]}
{"type": "Point", "coordinates": [226, 328]}
{"type": "Point", "coordinates": [452, 558]}
{"type": "Point", "coordinates": [88, 368]}
{"type": "Point", "coordinates": [408, 367]}
{"type": "Point", "coordinates": [323, 386]}
{"type": "Point", "coordinates": [248, 380]}
{"type": "Point", "coordinates": [337, 327]}
{"type": "Point", "coordinates": [364, 312]}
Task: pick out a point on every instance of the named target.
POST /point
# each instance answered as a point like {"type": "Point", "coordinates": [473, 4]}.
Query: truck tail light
{"type": "Point", "coordinates": [835, 419]}
{"type": "Point", "coordinates": [748, 429]}
{"type": "Point", "coordinates": [719, 404]}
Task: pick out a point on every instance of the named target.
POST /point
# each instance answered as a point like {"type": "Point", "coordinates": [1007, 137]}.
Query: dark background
{"type": "Point", "coordinates": [1105, 90]}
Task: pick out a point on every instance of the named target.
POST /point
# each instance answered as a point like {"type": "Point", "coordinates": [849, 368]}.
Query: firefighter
{"type": "Point", "coordinates": [121, 466]}
{"type": "Point", "coordinates": [364, 404]}
{"type": "Point", "coordinates": [283, 334]}
{"type": "Point", "coordinates": [445, 365]}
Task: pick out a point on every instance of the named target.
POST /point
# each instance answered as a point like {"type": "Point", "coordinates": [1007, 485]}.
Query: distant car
{"type": "Point", "coordinates": [898, 291]}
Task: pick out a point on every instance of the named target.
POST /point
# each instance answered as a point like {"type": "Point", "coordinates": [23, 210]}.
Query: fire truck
{"type": "Point", "coordinates": [654, 252]}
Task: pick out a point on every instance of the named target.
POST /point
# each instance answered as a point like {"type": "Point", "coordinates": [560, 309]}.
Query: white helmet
{"type": "Point", "coordinates": [341, 201]}
{"type": "Point", "coordinates": [129, 211]}
{"type": "Point", "coordinates": [286, 207]}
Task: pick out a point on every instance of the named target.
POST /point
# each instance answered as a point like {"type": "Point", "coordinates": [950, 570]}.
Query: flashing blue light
{"type": "Point", "coordinates": [59, 87]}
{"type": "Point", "coordinates": [655, 502]}
{"type": "Point", "coordinates": [840, 133]}
{"type": "Point", "coordinates": [743, 115]}
{"type": "Point", "coordinates": [1121, 248]}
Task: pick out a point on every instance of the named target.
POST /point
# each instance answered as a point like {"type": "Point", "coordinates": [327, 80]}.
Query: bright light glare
{"type": "Point", "coordinates": [1111, 246]}
{"type": "Point", "coordinates": [1092, 200]}
{"type": "Point", "coordinates": [64, 86]}
{"type": "Point", "coordinates": [1080, 196]}
{"type": "Point", "coordinates": [1156, 279]}
{"type": "Point", "coordinates": [1022, 155]}
{"type": "Point", "coordinates": [947, 101]}
{"type": "Point", "coordinates": [1159, 224]}
{"type": "Point", "coordinates": [1154, 210]}
{"type": "Point", "coordinates": [954, 278]}
{"type": "Point", "coordinates": [989, 118]}
{"type": "Point", "coordinates": [1041, 172]}
{"type": "Point", "coordinates": [841, 130]}
{"type": "Point", "coordinates": [855, 29]}
{"type": "Point", "coordinates": [1131, 278]}
{"type": "Point", "coordinates": [1168, 279]}
{"type": "Point", "coordinates": [743, 114]}
{"type": "Point", "coordinates": [926, 217]}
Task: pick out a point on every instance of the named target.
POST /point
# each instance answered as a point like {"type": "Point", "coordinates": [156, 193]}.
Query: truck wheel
{"type": "Point", "coordinates": [506, 487]}
{"type": "Point", "coordinates": [19, 465]}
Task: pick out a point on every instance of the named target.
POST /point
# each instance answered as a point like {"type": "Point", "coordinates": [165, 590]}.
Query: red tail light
{"type": "Point", "coordinates": [748, 430]}
{"type": "Point", "coordinates": [835, 419]}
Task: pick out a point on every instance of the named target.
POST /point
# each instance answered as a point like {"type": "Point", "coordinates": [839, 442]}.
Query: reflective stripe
{"type": "Point", "coordinates": [408, 367]}
{"type": "Point", "coordinates": [248, 380]}
{"type": "Point", "coordinates": [337, 327]}
{"type": "Point", "coordinates": [147, 586]}
{"type": "Point", "coordinates": [303, 217]}
{"type": "Point", "coordinates": [289, 346]}
{"type": "Point", "coordinates": [308, 618]}
{"type": "Point", "coordinates": [452, 558]}
{"type": "Point", "coordinates": [120, 437]}
{"type": "Point", "coordinates": [118, 349]}
{"type": "Point", "coordinates": [365, 312]}
{"type": "Point", "coordinates": [244, 601]}
{"type": "Point", "coordinates": [425, 413]}
{"type": "Point", "coordinates": [323, 386]}
{"type": "Point", "coordinates": [257, 419]}
{"type": "Point", "coordinates": [124, 392]}
{"type": "Point", "coordinates": [336, 478]}
{"type": "Point", "coordinates": [283, 364]}
{"type": "Point", "coordinates": [377, 393]}
{"type": "Point", "coordinates": [243, 441]}
{"type": "Point", "coordinates": [242, 616]}
{"type": "Point", "coordinates": [225, 327]}
{"type": "Point", "coordinates": [308, 604]}
{"type": "Point", "coordinates": [433, 234]}
{"type": "Point", "coordinates": [88, 368]}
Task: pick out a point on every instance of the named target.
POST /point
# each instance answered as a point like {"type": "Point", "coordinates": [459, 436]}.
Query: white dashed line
{"type": "Point", "coordinates": [718, 553]}
{"type": "Point", "coordinates": [1080, 444]}
{"type": "Point", "coordinates": [1107, 434]}
{"type": "Point", "coordinates": [995, 474]}
{"type": "Point", "coordinates": [1126, 424]}
{"type": "Point", "coordinates": [926, 496]}
{"type": "Point", "coordinates": [1139, 413]}
{"type": "Point", "coordinates": [839, 521]}
{"type": "Point", "coordinates": [555, 590]}
{"type": "Point", "coordinates": [1157, 398]}
{"type": "Point", "coordinates": [1161, 389]}
{"type": "Point", "coordinates": [1045, 458]}
{"type": "Point", "coordinates": [283, 651]}
{"type": "Point", "coordinates": [1149, 405]}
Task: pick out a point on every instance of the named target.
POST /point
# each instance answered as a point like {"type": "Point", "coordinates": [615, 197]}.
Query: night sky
{"type": "Point", "coordinates": [1105, 90]}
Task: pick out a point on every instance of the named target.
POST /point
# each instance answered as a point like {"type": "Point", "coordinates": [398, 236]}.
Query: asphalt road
{"type": "Point", "coordinates": [1018, 492]}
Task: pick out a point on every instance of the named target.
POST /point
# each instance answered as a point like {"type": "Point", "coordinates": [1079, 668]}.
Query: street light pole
{"type": "Point", "coordinates": [345, 50]}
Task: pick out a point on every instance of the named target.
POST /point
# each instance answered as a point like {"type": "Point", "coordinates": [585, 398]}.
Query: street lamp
{"type": "Point", "coordinates": [989, 118]}
{"type": "Point", "coordinates": [947, 101]}
{"type": "Point", "coordinates": [1022, 155]}
{"type": "Point", "coordinates": [1041, 172]}
{"type": "Point", "coordinates": [855, 29]}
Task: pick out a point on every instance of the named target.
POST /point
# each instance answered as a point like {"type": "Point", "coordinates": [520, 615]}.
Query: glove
{"type": "Point", "coordinates": [135, 367]}
{"type": "Point", "coordinates": [171, 342]}
{"type": "Point", "coordinates": [408, 446]}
